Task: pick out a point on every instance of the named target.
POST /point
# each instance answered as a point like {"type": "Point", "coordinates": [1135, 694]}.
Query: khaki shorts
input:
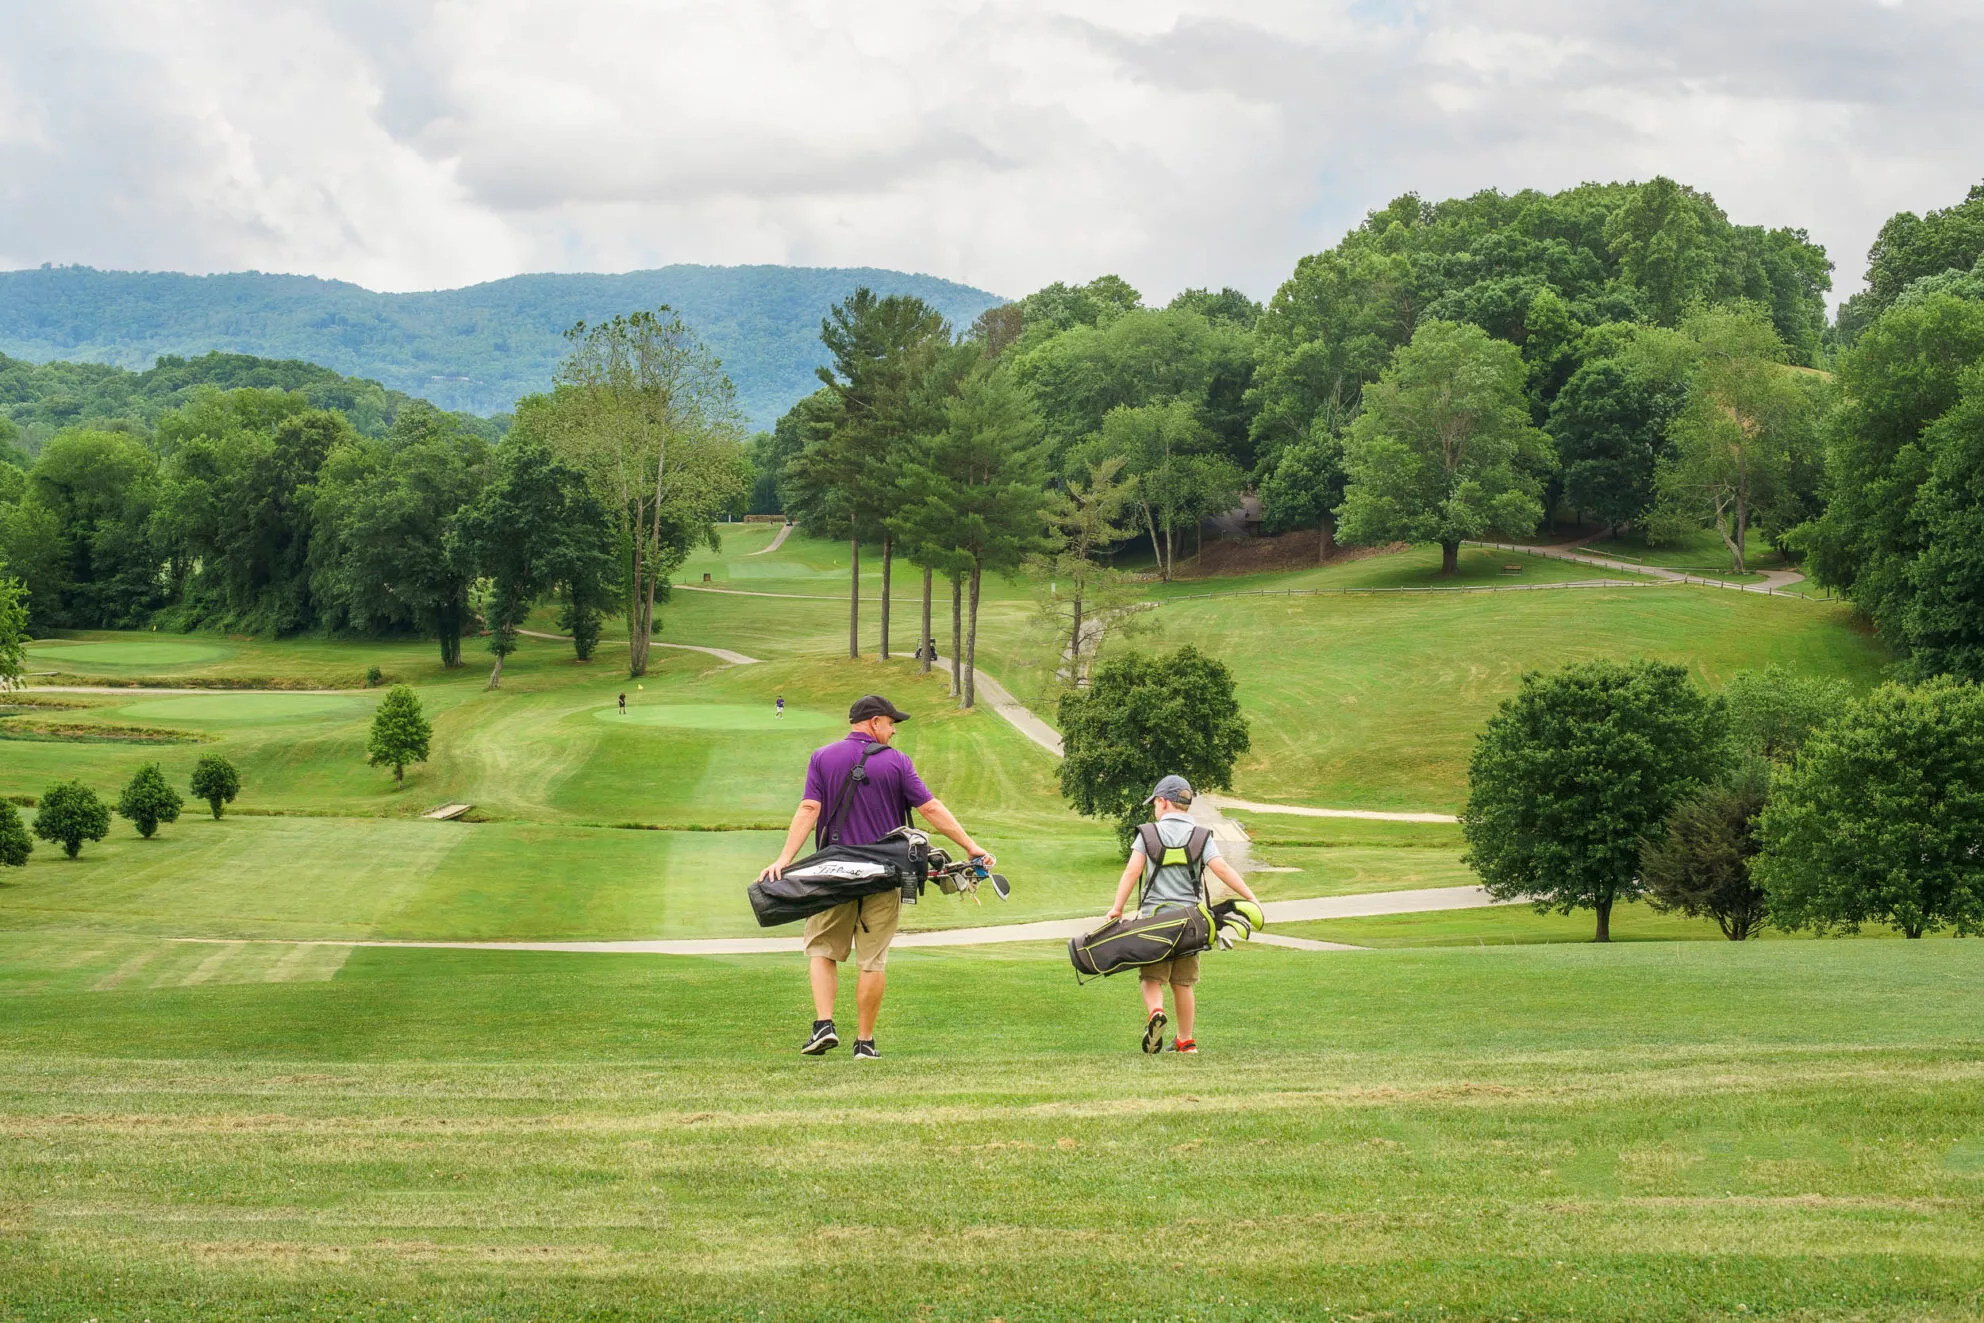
{"type": "Point", "coordinates": [831, 933]}
{"type": "Point", "coordinates": [1181, 970]}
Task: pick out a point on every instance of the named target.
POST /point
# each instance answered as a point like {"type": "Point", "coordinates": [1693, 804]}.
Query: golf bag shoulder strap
{"type": "Point", "coordinates": [829, 831]}
{"type": "Point", "coordinates": [1157, 854]}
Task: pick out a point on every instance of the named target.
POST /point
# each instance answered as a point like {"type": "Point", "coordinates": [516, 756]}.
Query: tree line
{"type": "Point", "coordinates": [1617, 354]}
{"type": "Point", "coordinates": [256, 509]}
{"type": "Point", "coordinates": [1781, 802]}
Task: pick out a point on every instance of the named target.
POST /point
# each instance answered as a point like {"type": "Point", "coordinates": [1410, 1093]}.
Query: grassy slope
{"type": "Point", "coordinates": [1640, 1131]}
{"type": "Point", "coordinates": [1356, 700]}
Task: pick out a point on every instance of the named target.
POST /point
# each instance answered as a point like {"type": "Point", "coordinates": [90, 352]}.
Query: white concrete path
{"type": "Point", "coordinates": [1771, 578]}
{"type": "Point", "coordinates": [1304, 811]}
{"type": "Point", "coordinates": [721, 654]}
{"type": "Point", "coordinates": [784, 532]}
{"type": "Point", "coordinates": [1046, 930]}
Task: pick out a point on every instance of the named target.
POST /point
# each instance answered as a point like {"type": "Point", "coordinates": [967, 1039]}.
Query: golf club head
{"type": "Point", "coordinates": [1000, 886]}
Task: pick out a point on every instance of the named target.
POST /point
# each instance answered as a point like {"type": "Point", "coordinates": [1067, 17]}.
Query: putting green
{"type": "Point", "coordinates": [246, 708]}
{"type": "Point", "coordinates": [141, 652]}
{"type": "Point", "coordinates": [715, 716]}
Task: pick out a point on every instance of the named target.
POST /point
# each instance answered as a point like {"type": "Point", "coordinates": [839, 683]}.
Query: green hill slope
{"type": "Point", "coordinates": [475, 349]}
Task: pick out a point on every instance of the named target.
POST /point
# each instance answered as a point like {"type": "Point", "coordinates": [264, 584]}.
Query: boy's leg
{"type": "Point", "coordinates": [1153, 990]}
{"type": "Point", "coordinates": [1185, 1001]}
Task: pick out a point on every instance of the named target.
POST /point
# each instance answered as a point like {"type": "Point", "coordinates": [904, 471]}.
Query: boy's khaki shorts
{"type": "Point", "coordinates": [831, 933]}
{"type": "Point", "coordinates": [1181, 970]}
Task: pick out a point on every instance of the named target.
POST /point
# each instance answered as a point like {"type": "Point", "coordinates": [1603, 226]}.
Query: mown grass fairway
{"type": "Point", "coordinates": [1652, 1130]}
{"type": "Point", "coordinates": [1482, 1117]}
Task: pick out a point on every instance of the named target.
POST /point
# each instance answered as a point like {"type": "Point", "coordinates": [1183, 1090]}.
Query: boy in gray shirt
{"type": "Point", "coordinates": [1172, 884]}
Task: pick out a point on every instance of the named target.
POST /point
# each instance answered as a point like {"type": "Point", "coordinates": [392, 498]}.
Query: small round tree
{"type": "Point", "coordinates": [399, 733]}
{"type": "Point", "coordinates": [1575, 771]}
{"type": "Point", "coordinates": [216, 781]}
{"type": "Point", "coordinates": [1882, 818]}
{"type": "Point", "coordinates": [149, 800]}
{"type": "Point", "coordinates": [69, 814]}
{"type": "Point", "coordinates": [1701, 864]}
{"type": "Point", "coordinates": [15, 844]}
{"type": "Point", "coordinates": [1143, 717]}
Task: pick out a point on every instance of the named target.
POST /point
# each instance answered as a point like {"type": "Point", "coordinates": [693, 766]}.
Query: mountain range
{"type": "Point", "coordinates": [476, 349]}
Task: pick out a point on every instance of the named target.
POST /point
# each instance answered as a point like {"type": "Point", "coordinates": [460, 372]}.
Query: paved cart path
{"type": "Point", "coordinates": [1047, 930]}
{"type": "Point", "coordinates": [1772, 579]}
{"type": "Point", "coordinates": [784, 532]}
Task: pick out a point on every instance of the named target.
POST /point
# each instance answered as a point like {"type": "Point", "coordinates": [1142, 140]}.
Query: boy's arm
{"type": "Point", "coordinates": [1230, 875]}
{"type": "Point", "coordinates": [1131, 872]}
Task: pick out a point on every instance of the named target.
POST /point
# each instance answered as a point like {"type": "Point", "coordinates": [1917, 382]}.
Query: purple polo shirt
{"type": "Point", "coordinates": [878, 805]}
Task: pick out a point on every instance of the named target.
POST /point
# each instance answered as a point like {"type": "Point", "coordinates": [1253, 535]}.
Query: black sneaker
{"type": "Point", "coordinates": [824, 1039]}
{"type": "Point", "coordinates": [1154, 1032]}
{"type": "Point", "coordinates": [864, 1050]}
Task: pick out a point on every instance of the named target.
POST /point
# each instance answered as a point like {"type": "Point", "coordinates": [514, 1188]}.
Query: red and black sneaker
{"type": "Point", "coordinates": [1154, 1032]}
{"type": "Point", "coordinates": [1186, 1045]}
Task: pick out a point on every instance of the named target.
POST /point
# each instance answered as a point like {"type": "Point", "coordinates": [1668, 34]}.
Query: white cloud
{"type": "Point", "coordinates": [1007, 143]}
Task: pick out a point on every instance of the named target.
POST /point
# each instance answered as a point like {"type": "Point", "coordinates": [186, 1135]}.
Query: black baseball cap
{"type": "Point", "coordinates": [874, 705]}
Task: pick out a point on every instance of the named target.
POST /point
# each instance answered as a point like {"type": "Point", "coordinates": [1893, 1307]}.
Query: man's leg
{"type": "Point", "coordinates": [826, 983]}
{"type": "Point", "coordinates": [1185, 1001]}
{"type": "Point", "coordinates": [868, 989]}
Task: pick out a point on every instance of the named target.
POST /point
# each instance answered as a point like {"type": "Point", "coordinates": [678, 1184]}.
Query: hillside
{"type": "Point", "coordinates": [475, 349]}
{"type": "Point", "coordinates": [38, 400]}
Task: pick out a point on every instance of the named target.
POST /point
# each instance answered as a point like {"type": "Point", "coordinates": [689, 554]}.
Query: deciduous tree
{"type": "Point", "coordinates": [400, 733]}
{"type": "Point", "coordinates": [646, 413]}
{"type": "Point", "coordinates": [69, 814]}
{"type": "Point", "coordinates": [1575, 771]}
{"type": "Point", "coordinates": [15, 843]}
{"type": "Point", "coordinates": [1741, 436]}
{"type": "Point", "coordinates": [1142, 717]}
{"type": "Point", "coordinates": [149, 800]}
{"type": "Point", "coordinates": [1881, 817]}
{"type": "Point", "coordinates": [217, 781]}
{"type": "Point", "coordinates": [535, 526]}
{"type": "Point", "coordinates": [1444, 449]}
{"type": "Point", "coordinates": [13, 630]}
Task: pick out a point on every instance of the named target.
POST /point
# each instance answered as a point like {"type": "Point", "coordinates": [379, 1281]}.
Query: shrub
{"type": "Point", "coordinates": [216, 781]}
{"type": "Point", "coordinates": [373, 675]}
{"type": "Point", "coordinates": [70, 814]}
{"type": "Point", "coordinates": [149, 800]}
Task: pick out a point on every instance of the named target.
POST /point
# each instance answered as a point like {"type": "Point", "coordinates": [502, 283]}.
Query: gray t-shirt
{"type": "Point", "coordinates": [1174, 884]}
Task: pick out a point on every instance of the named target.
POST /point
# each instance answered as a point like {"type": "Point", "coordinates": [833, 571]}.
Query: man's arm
{"type": "Point", "coordinates": [803, 819]}
{"type": "Point", "coordinates": [938, 816]}
{"type": "Point", "coordinates": [1131, 872]}
{"type": "Point", "coordinates": [1230, 875]}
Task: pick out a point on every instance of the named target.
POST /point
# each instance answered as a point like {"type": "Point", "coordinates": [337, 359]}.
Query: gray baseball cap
{"type": "Point", "coordinates": [1174, 788]}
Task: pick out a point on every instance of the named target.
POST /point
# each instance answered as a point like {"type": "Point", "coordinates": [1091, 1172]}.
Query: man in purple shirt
{"type": "Point", "coordinates": [880, 803]}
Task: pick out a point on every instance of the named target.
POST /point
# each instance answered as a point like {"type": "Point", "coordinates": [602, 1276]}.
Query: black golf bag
{"type": "Point", "coordinates": [1145, 939]}
{"type": "Point", "coordinates": [1135, 940]}
{"type": "Point", "coordinates": [840, 873]}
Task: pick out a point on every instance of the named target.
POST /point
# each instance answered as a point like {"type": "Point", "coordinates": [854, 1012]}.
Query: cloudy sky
{"type": "Point", "coordinates": [417, 144]}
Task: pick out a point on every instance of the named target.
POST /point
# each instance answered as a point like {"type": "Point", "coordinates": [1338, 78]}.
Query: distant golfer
{"type": "Point", "coordinates": [623, 704]}
{"type": "Point", "coordinates": [781, 708]}
{"type": "Point", "coordinates": [880, 803]}
{"type": "Point", "coordinates": [1172, 883]}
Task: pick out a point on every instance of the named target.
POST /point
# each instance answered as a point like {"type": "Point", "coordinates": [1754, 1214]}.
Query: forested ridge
{"type": "Point", "coordinates": [476, 350]}
{"type": "Point", "coordinates": [1620, 356]}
